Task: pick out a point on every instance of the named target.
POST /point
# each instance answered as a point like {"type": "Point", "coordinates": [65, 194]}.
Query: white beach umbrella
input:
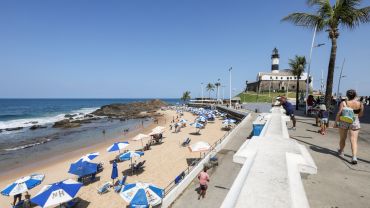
{"type": "Point", "coordinates": [158, 129]}
{"type": "Point", "coordinates": [88, 157]}
{"type": "Point", "coordinates": [199, 147]}
{"type": "Point", "coordinates": [57, 193]}
{"type": "Point", "coordinates": [23, 184]}
{"type": "Point", "coordinates": [141, 137]}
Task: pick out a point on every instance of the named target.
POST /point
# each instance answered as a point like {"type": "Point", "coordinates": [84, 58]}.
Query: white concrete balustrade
{"type": "Point", "coordinates": [272, 167]}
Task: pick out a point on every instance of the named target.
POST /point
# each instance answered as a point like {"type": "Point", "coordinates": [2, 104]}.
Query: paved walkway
{"type": "Point", "coordinates": [221, 177]}
{"type": "Point", "coordinates": [337, 183]}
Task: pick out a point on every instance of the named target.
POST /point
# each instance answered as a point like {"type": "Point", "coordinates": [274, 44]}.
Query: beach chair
{"type": "Point", "coordinates": [179, 178]}
{"type": "Point", "coordinates": [120, 184]}
{"type": "Point", "coordinates": [104, 188]}
{"type": "Point", "coordinates": [139, 166]}
{"type": "Point", "coordinates": [70, 204]}
{"type": "Point", "coordinates": [186, 142]}
{"type": "Point", "coordinates": [100, 167]}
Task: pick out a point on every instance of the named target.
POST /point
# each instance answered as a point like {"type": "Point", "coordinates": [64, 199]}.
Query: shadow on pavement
{"type": "Point", "coordinates": [325, 150]}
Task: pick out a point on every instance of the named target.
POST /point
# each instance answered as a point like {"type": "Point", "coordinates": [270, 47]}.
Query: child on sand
{"type": "Point", "coordinates": [324, 117]}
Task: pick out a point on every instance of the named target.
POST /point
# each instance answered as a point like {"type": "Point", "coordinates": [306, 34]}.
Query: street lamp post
{"type": "Point", "coordinates": [230, 86]}
{"type": "Point", "coordinates": [340, 77]}
{"type": "Point", "coordinates": [201, 86]}
{"type": "Point", "coordinates": [309, 63]}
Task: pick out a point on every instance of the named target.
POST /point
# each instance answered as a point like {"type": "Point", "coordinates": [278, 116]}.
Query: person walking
{"type": "Point", "coordinates": [347, 120]}
{"type": "Point", "coordinates": [289, 110]}
{"type": "Point", "coordinates": [203, 182]}
{"type": "Point", "coordinates": [324, 119]}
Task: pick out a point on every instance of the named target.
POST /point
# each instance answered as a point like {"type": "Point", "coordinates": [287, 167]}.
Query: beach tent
{"type": "Point", "coordinates": [142, 194]}
{"type": "Point", "coordinates": [57, 193]}
{"type": "Point", "coordinates": [88, 157]}
{"type": "Point", "coordinates": [23, 184]}
{"type": "Point", "coordinates": [117, 146]}
{"type": "Point", "coordinates": [141, 137]}
{"type": "Point", "coordinates": [83, 168]}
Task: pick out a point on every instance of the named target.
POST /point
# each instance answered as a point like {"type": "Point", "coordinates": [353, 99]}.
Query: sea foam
{"type": "Point", "coordinates": [28, 122]}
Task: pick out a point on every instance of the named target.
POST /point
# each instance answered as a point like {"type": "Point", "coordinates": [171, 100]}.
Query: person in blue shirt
{"type": "Point", "coordinates": [324, 117]}
{"type": "Point", "coordinates": [289, 109]}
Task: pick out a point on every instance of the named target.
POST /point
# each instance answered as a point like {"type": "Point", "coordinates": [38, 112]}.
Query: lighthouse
{"type": "Point", "coordinates": [275, 61]}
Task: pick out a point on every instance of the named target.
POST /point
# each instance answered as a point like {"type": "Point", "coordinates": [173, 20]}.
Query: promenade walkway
{"type": "Point", "coordinates": [221, 176]}
{"type": "Point", "coordinates": [337, 182]}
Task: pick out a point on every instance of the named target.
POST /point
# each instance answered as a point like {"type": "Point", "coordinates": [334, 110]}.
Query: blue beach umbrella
{"type": "Point", "coordinates": [117, 146]}
{"type": "Point", "coordinates": [57, 193]}
{"type": "Point", "coordinates": [83, 168]}
{"type": "Point", "coordinates": [142, 194]}
{"type": "Point", "coordinates": [129, 155]}
{"type": "Point", "coordinates": [228, 121]}
{"type": "Point", "coordinates": [114, 174]}
{"type": "Point", "coordinates": [197, 125]}
{"type": "Point", "coordinates": [23, 184]}
{"type": "Point", "coordinates": [88, 157]}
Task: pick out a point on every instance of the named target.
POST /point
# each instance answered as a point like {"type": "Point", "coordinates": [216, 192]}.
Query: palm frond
{"type": "Point", "coordinates": [303, 19]}
{"type": "Point", "coordinates": [349, 15]}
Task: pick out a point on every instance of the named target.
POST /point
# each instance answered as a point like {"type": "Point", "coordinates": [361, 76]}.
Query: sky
{"type": "Point", "coordinates": [159, 49]}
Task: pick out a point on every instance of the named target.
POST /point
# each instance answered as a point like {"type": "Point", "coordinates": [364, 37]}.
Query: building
{"type": "Point", "coordinates": [277, 80]}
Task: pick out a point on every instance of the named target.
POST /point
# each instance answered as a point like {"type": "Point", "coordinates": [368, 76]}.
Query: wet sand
{"type": "Point", "coordinates": [163, 162]}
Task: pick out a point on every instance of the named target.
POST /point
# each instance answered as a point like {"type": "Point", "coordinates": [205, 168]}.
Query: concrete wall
{"type": "Point", "coordinates": [272, 163]}
{"type": "Point", "coordinates": [176, 192]}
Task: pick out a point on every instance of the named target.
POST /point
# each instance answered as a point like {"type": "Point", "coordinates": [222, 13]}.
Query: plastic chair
{"type": "Point", "coordinates": [104, 188]}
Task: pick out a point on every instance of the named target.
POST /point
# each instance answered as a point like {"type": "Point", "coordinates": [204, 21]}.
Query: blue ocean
{"type": "Point", "coordinates": [18, 141]}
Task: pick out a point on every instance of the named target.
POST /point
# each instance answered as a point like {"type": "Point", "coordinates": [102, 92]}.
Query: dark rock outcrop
{"type": "Point", "coordinates": [130, 110]}
{"type": "Point", "coordinates": [70, 115]}
{"type": "Point", "coordinates": [13, 129]}
{"type": "Point", "coordinates": [66, 123]}
{"type": "Point", "coordinates": [34, 127]}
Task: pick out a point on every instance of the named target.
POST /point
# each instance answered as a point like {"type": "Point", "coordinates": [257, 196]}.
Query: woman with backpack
{"type": "Point", "coordinates": [347, 120]}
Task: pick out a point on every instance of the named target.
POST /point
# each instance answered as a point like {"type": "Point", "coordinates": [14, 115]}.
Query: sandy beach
{"type": "Point", "coordinates": [163, 162]}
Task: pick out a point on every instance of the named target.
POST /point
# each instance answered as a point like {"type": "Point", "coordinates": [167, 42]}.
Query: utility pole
{"type": "Point", "coordinates": [230, 85]}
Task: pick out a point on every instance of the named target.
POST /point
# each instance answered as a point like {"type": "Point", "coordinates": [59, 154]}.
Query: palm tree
{"type": "Point", "coordinates": [185, 96]}
{"type": "Point", "coordinates": [298, 64]}
{"type": "Point", "coordinates": [217, 85]}
{"type": "Point", "coordinates": [343, 13]}
{"type": "Point", "coordinates": [210, 87]}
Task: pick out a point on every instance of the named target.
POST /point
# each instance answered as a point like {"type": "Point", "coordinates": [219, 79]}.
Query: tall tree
{"type": "Point", "coordinates": [217, 85]}
{"type": "Point", "coordinates": [185, 96]}
{"type": "Point", "coordinates": [297, 65]}
{"type": "Point", "coordinates": [210, 87]}
{"type": "Point", "coordinates": [343, 13]}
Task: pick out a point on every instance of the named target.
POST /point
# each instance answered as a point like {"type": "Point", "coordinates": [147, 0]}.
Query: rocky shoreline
{"type": "Point", "coordinates": [122, 111]}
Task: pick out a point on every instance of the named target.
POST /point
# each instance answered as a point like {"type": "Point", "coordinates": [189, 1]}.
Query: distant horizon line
{"type": "Point", "coordinates": [84, 98]}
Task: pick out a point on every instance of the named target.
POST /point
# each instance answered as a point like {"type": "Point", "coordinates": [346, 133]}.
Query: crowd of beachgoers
{"type": "Point", "coordinates": [133, 170]}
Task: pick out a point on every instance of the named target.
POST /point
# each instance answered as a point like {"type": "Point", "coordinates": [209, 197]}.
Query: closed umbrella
{"type": "Point", "coordinates": [23, 184]}
{"type": "Point", "coordinates": [57, 193]}
{"type": "Point", "coordinates": [114, 174]}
